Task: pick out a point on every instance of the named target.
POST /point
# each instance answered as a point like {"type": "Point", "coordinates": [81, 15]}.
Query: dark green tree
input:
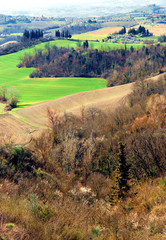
{"type": "Point", "coordinates": [25, 36]}
{"type": "Point", "coordinates": [63, 34]}
{"type": "Point", "coordinates": [86, 44]}
{"type": "Point", "coordinates": [66, 34]}
{"type": "Point", "coordinates": [141, 29]}
{"type": "Point", "coordinates": [132, 31]}
{"type": "Point", "coordinates": [57, 33]}
{"type": "Point", "coordinates": [121, 186]}
{"type": "Point", "coordinates": [32, 35]}
{"type": "Point", "coordinates": [122, 31]}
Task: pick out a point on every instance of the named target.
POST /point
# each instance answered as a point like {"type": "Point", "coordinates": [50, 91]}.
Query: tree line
{"type": "Point", "coordinates": [32, 35]}
{"type": "Point", "coordinates": [63, 34]}
{"type": "Point", "coordinates": [162, 38]}
{"type": "Point", "coordinates": [117, 66]}
{"type": "Point", "coordinates": [140, 30]}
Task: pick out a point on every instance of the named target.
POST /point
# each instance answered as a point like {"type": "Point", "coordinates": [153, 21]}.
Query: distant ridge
{"type": "Point", "coordinates": [151, 9]}
{"type": "Point", "coordinates": [91, 8]}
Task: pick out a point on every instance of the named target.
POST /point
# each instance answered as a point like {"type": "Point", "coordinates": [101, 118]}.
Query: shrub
{"type": "Point", "coordinates": [12, 96]}
{"type": "Point", "coordinates": [13, 102]}
{"type": "Point", "coordinates": [10, 225]}
{"type": "Point", "coordinates": [163, 182]}
{"type": "Point", "coordinates": [99, 185]}
{"type": "Point", "coordinates": [96, 231]}
{"type": "Point", "coordinates": [16, 161]}
{"type": "Point", "coordinates": [3, 93]}
{"type": "Point", "coordinates": [39, 210]}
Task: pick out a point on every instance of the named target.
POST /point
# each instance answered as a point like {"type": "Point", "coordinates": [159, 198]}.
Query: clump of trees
{"type": "Point", "coordinates": [162, 38]}
{"type": "Point", "coordinates": [82, 28]}
{"type": "Point", "coordinates": [81, 148]}
{"type": "Point", "coordinates": [63, 34]}
{"type": "Point", "coordinates": [32, 35]}
{"type": "Point", "coordinates": [117, 66]}
{"type": "Point", "coordinates": [9, 96]}
{"type": "Point", "coordinates": [85, 44]}
{"type": "Point", "coordinates": [140, 30]}
{"type": "Point", "coordinates": [122, 31]}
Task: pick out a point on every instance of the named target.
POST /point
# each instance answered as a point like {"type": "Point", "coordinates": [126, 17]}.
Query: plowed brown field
{"type": "Point", "coordinates": [21, 125]}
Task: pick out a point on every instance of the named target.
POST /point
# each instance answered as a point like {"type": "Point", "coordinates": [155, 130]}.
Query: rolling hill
{"type": "Point", "coordinates": [23, 124]}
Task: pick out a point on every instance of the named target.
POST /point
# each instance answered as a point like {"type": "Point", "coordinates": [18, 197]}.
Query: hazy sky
{"type": "Point", "coordinates": [9, 6]}
{"type": "Point", "coordinates": [24, 4]}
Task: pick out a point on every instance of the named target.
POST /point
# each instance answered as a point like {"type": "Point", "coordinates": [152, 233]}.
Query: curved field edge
{"type": "Point", "coordinates": [23, 124]}
{"type": "Point", "coordinates": [37, 90]}
{"type": "Point", "coordinates": [106, 99]}
{"type": "Point", "coordinates": [103, 99]}
{"type": "Point", "coordinates": [27, 122]}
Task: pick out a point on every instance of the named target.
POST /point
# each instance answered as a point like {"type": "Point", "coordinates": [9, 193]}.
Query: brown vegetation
{"type": "Point", "coordinates": [61, 187]}
{"type": "Point", "coordinates": [117, 66]}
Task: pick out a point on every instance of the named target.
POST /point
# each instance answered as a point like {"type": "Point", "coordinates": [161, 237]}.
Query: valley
{"type": "Point", "coordinates": [83, 121]}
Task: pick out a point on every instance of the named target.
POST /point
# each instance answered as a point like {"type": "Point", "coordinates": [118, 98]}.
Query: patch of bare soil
{"type": "Point", "coordinates": [13, 129]}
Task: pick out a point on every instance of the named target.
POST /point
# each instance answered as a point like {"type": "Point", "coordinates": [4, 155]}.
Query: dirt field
{"type": "Point", "coordinates": [13, 129]}
{"type": "Point", "coordinates": [157, 30]}
{"type": "Point", "coordinates": [8, 43]}
{"type": "Point", "coordinates": [108, 30]}
{"type": "Point", "coordinates": [21, 125]}
{"type": "Point", "coordinates": [104, 99]}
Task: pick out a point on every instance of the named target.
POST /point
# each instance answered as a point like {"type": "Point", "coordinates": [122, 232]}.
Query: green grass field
{"type": "Point", "coordinates": [37, 90]}
{"type": "Point", "coordinates": [89, 36]}
{"type": "Point", "coordinates": [74, 44]}
{"type": "Point", "coordinates": [113, 46]}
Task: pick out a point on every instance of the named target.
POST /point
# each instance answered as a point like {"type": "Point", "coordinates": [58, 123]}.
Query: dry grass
{"type": "Point", "coordinates": [8, 43]}
{"type": "Point", "coordinates": [109, 30]}
{"type": "Point", "coordinates": [13, 129]}
{"type": "Point", "coordinates": [157, 30]}
{"type": "Point", "coordinates": [81, 217]}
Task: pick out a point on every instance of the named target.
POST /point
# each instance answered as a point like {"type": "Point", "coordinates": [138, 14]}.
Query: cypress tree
{"type": "Point", "coordinates": [63, 34]}
{"type": "Point", "coordinates": [66, 34]}
{"type": "Point", "coordinates": [121, 186]}
{"type": "Point", "coordinates": [86, 44]}
{"type": "Point", "coordinates": [57, 34]}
